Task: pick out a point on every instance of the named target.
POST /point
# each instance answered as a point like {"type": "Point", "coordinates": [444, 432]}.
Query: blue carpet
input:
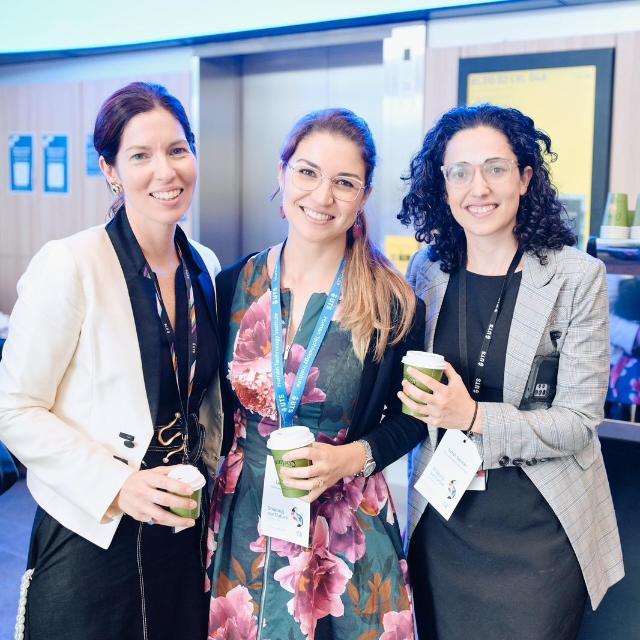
{"type": "Point", "coordinates": [17, 509]}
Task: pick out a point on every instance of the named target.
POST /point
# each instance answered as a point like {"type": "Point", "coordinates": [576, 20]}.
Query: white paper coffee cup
{"type": "Point", "coordinates": [280, 442]}
{"type": "Point", "coordinates": [288, 438]}
{"type": "Point", "coordinates": [424, 360]}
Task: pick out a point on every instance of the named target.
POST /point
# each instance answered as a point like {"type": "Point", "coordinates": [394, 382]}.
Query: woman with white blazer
{"type": "Point", "coordinates": [521, 318]}
{"type": "Point", "coordinates": [108, 380]}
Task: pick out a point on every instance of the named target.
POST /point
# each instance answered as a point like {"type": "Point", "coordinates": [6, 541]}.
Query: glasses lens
{"type": "Point", "coordinates": [459, 173]}
{"type": "Point", "coordinates": [496, 169]}
{"type": "Point", "coordinates": [345, 189]}
{"type": "Point", "coordinates": [305, 177]}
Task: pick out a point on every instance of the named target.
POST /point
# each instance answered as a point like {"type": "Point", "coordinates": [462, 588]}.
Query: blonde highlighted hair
{"type": "Point", "coordinates": [378, 305]}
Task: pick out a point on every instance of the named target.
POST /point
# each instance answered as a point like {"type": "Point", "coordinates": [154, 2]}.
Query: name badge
{"type": "Point", "coordinates": [283, 518]}
{"type": "Point", "coordinates": [450, 471]}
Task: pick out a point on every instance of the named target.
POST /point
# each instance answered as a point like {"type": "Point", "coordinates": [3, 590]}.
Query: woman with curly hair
{"type": "Point", "coordinates": [521, 318]}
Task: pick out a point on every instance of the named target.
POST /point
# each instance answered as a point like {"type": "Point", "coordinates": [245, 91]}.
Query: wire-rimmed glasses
{"type": "Point", "coordinates": [307, 177]}
{"type": "Point", "coordinates": [494, 170]}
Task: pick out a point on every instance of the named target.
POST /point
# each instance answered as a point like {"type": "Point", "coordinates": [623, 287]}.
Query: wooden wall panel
{"type": "Point", "coordinates": [441, 83]}
{"type": "Point", "coordinates": [625, 136]}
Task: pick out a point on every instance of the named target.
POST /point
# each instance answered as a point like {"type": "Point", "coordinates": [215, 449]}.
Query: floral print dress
{"type": "Point", "coordinates": [351, 582]}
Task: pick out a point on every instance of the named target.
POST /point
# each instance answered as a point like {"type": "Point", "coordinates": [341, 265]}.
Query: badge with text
{"type": "Point", "coordinates": [448, 474]}
{"type": "Point", "coordinates": [280, 517]}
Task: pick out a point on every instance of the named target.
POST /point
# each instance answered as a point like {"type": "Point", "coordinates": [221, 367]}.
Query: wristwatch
{"type": "Point", "coordinates": [369, 463]}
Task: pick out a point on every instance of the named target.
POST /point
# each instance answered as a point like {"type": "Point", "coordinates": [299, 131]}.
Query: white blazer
{"type": "Point", "coordinates": [71, 380]}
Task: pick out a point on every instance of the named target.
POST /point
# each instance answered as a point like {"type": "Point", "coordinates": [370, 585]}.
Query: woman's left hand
{"type": "Point", "coordinates": [448, 406]}
{"type": "Point", "coordinates": [329, 463]}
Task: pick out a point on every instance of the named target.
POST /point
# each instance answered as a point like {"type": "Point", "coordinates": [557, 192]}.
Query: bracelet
{"type": "Point", "coordinates": [475, 413]}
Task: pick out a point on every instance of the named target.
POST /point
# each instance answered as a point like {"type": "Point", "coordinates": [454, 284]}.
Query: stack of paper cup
{"type": "Point", "coordinates": [635, 223]}
{"type": "Point", "coordinates": [610, 232]}
{"type": "Point", "coordinates": [616, 217]}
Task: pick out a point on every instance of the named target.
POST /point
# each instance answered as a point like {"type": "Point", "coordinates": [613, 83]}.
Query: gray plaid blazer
{"type": "Point", "coordinates": [560, 444]}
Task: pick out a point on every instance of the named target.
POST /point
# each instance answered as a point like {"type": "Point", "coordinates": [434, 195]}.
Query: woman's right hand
{"type": "Point", "coordinates": [144, 493]}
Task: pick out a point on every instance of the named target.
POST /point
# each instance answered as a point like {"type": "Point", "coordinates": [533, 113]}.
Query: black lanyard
{"type": "Point", "coordinates": [170, 335]}
{"type": "Point", "coordinates": [488, 334]}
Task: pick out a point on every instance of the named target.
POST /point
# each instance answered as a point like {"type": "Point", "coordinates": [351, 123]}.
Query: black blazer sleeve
{"type": "Point", "coordinates": [226, 282]}
{"type": "Point", "coordinates": [397, 433]}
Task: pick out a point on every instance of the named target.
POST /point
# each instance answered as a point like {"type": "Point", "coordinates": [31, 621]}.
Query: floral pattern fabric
{"type": "Point", "coordinates": [351, 582]}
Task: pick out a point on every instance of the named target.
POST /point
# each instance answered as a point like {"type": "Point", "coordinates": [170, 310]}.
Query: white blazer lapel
{"type": "Point", "coordinates": [536, 299]}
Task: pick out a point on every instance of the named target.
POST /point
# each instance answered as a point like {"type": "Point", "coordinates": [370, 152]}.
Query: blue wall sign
{"type": "Point", "coordinates": [21, 163]}
{"type": "Point", "coordinates": [92, 168]}
{"type": "Point", "coordinates": [56, 163]}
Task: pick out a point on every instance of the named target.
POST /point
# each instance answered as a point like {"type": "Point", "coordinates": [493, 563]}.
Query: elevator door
{"type": "Point", "coordinates": [277, 89]}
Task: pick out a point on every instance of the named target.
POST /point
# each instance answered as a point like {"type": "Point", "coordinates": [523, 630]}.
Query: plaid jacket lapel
{"type": "Point", "coordinates": [536, 299]}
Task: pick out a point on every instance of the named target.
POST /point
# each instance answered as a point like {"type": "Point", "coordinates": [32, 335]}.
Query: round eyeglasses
{"type": "Point", "coordinates": [343, 187]}
{"type": "Point", "coordinates": [494, 170]}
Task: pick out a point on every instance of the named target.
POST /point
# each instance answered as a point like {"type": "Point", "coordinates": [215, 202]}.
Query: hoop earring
{"type": "Point", "coordinates": [116, 188]}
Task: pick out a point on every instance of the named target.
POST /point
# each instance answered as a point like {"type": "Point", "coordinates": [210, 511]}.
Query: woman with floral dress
{"type": "Point", "coordinates": [350, 581]}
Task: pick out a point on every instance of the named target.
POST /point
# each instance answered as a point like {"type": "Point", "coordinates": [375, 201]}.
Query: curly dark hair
{"type": "Point", "coordinates": [541, 221]}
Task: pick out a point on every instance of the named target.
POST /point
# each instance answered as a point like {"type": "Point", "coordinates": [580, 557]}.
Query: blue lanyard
{"type": "Point", "coordinates": [287, 406]}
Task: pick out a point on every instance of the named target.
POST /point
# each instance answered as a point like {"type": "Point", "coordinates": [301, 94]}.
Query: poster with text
{"type": "Point", "coordinates": [56, 163]}
{"type": "Point", "coordinates": [21, 163]}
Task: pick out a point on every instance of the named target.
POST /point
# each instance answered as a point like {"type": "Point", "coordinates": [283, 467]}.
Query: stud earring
{"type": "Point", "coordinates": [116, 188]}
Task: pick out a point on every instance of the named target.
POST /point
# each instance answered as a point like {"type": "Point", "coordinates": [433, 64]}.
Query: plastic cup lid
{"type": "Point", "coordinates": [290, 438]}
{"type": "Point", "coordinates": [188, 474]}
{"type": "Point", "coordinates": [424, 359]}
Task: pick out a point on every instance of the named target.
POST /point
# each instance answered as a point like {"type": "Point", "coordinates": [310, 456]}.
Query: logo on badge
{"type": "Point", "coordinates": [451, 489]}
{"type": "Point", "coordinates": [296, 517]}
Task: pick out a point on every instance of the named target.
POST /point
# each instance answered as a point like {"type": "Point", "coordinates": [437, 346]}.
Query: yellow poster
{"type": "Point", "coordinates": [399, 250]}
{"type": "Point", "coordinates": [547, 95]}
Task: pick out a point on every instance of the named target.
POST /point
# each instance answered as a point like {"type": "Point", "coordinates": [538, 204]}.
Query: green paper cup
{"type": "Point", "coordinates": [617, 210]}
{"type": "Point", "coordinates": [189, 475]}
{"type": "Point", "coordinates": [431, 364]}
{"type": "Point", "coordinates": [282, 441]}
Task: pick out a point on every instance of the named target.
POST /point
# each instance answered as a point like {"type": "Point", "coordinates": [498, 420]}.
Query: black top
{"type": "Point", "coordinates": [482, 293]}
{"type": "Point", "coordinates": [159, 375]}
{"type": "Point", "coordinates": [390, 439]}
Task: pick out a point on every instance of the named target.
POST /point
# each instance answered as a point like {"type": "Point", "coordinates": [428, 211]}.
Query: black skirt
{"type": "Point", "coordinates": [502, 567]}
{"type": "Point", "coordinates": [149, 583]}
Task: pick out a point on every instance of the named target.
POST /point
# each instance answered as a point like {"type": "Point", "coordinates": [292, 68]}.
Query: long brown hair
{"type": "Point", "coordinates": [377, 302]}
